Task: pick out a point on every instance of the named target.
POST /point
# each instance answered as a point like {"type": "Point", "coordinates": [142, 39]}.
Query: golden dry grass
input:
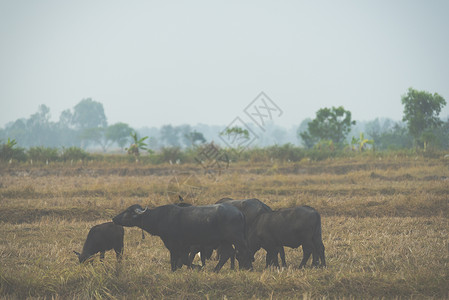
{"type": "Point", "coordinates": [385, 228]}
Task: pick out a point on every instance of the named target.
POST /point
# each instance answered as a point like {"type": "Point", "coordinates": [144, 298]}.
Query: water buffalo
{"type": "Point", "coordinates": [205, 252]}
{"type": "Point", "coordinates": [101, 238]}
{"type": "Point", "coordinates": [252, 208]}
{"type": "Point", "coordinates": [182, 228]}
{"type": "Point", "coordinates": [291, 227]}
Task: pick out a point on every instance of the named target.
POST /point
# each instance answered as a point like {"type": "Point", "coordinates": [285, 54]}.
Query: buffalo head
{"type": "Point", "coordinates": [132, 216]}
{"type": "Point", "coordinates": [245, 260]}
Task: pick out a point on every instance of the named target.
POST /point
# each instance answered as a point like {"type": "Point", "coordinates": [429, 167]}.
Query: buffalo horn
{"type": "Point", "coordinates": [140, 211]}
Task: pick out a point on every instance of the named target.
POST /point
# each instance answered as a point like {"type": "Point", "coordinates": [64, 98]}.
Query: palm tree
{"type": "Point", "coordinates": [361, 142]}
{"type": "Point", "coordinates": [136, 146]}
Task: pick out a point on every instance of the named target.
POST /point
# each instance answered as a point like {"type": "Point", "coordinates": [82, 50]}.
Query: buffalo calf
{"type": "Point", "coordinates": [101, 238]}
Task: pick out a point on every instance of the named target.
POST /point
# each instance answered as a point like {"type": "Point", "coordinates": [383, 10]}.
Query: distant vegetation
{"type": "Point", "coordinates": [333, 130]}
{"type": "Point", "coordinates": [176, 155]}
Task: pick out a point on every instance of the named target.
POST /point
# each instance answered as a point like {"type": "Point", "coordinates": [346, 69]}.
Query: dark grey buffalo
{"type": "Point", "coordinates": [205, 252]}
{"type": "Point", "coordinates": [252, 208]}
{"type": "Point", "coordinates": [182, 228]}
{"type": "Point", "coordinates": [101, 238]}
{"type": "Point", "coordinates": [291, 227]}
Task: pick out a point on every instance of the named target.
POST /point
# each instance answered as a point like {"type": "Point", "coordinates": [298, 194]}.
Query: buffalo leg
{"type": "Point", "coordinates": [319, 249]}
{"type": "Point", "coordinates": [175, 261]}
{"type": "Point", "coordinates": [203, 258]}
{"type": "Point", "coordinates": [179, 263]}
{"type": "Point", "coordinates": [118, 254]}
{"type": "Point", "coordinates": [184, 259]}
{"type": "Point", "coordinates": [271, 259]}
{"type": "Point", "coordinates": [193, 252]}
{"type": "Point", "coordinates": [226, 252]}
{"type": "Point", "coordinates": [307, 249]}
{"type": "Point", "coordinates": [268, 259]}
{"type": "Point", "coordinates": [206, 253]}
{"type": "Point", "coordinates": [189, 262]}
{"type": "Point", "coordinates": [233, 259]}
{"type": "Point", "coordinates": [220, 250]}
{"type": "Point", "coordinates": [178, 259]}
{"type": "Point", "coordinates": [322, 256]}
{"type": "Point", "coordinates": [192, 256]}
{"type": "Point", "coordinates": [318, 254]}
{"type": "Point", "coordinates": [282, 255]}
{"type": "Point", "coordinates": [315, 258]}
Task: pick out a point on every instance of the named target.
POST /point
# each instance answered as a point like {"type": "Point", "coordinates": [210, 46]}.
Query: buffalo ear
{"type": "Point", "coordinates": [77, 253]}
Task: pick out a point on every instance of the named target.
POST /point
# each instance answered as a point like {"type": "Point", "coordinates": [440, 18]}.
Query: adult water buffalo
{"type": "Point", "coordinates": [291, 227]}
{"type": "Point", "coordinates": [205, 252]}
{"type": "Point", "coordinates": [101, 238]}
{"type": "Point", "coordinates": [182, 228]}
{"type": "Point", "coordinates": [252, 208]}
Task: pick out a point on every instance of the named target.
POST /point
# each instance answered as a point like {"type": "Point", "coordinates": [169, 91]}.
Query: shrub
{"type": "Point", "coordinates": [43, 154]}
{"type": "Point", "coordinates": [73, 153]}
{"type": "Point", "coordinates": [320, 154]}
{"type": "Point", "coordinates": [286, 152]}
{"type": "Point", "coordinates": [255, 155]}
{"type": "Point", "coordinates": [9, 151]}
{"type": "Point", "coordinates": [172, 154]}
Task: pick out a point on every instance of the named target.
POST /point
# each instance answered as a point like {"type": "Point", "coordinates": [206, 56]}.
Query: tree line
{"type": "Point", "coordinates": [86, 127]}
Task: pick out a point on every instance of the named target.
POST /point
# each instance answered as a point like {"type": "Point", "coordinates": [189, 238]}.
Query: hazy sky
{"type": "Point", "coordinates": [157, 62]}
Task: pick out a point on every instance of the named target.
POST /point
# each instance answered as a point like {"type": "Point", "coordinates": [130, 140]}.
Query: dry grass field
{"type": "Point", "coordinates": [385, 228]}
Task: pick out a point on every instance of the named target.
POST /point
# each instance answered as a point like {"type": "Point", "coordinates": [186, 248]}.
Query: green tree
{"type": "Point", "coordinates": [170, 135]}
{"type": "Point", "coordinates": [96, 136]}
{"type": "Point", "coordinates": [442, 135]}
{"type": "Point", "coordinates": [40, 128]}
{"type": "Point", "coordinates": [236, 133]}
{"type": "Point", "coordinates": [68, 135]}
{"type": "Point", "coordinates": [421, 110]}
{"type": "Point", "coordinates": [303, 135]}
{"type": "Point", "coordinates": [191, 138]}
{"type": "Point", "coordinates": [377, 127]}
{"type": "Point", "coordinates": [119, 133]}
{"type": "Point", "coordinates": [89, 114]}
{"type": "Point", "coordinates": [18, 131]}
{"type": "Point", "coordinates": [329, 124]}
{"type": "Point", "coordinates": [237, 137]}
{"type": "Point", "coordinates": [65, 119]}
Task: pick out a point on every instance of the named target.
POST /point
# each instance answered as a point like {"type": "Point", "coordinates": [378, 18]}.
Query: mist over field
{"type": "Point", "coordinates": [153, 63]}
